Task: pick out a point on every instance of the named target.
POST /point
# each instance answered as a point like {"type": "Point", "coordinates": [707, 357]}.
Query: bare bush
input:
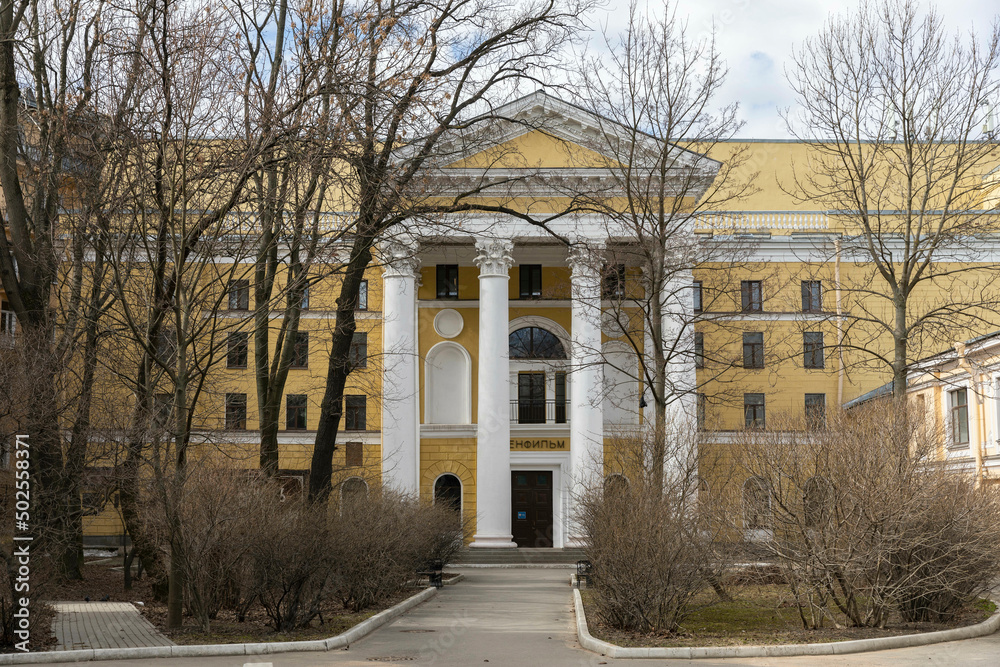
{"type": "Point", "coordinates": [653, 548]}
{"type": "Point", "coordinates": [380, 540]}
{"type": "Point", "coordinates": [864, 521]}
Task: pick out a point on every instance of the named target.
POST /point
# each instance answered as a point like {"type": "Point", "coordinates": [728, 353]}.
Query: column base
{"type": "Point", "coordinates": [492, 542]}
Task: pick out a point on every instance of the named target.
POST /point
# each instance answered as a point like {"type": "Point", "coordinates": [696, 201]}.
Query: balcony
{"type": "Point", "coordinates": [539, 411]}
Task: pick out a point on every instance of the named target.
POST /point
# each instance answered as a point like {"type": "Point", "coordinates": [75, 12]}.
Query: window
{"type": "Point", "coordinates": [357, 356]}
{"type": "Point", "coordinates": [753, 410]}
{"type": "Point", "coordinates": [701, 411]}
{"type": "Point", "coordinates": [353, 454]}
{"type": "Point", "coordinates": [697, 292]}
{"type": "Point", "coordinates": [163, 405]}
{"type": "Point", "coordinates": [300, 350]}
{"type": "Point", "coordinates": [560, 389]}
{"type": "Point", "coordinates": [812, 296]}
{"type": "Point", "coordinates": [239, 295]}
{"type": "Point", "coordinates": [816, 500]}
{"type": "Point", "coordinates": [295, 412]}
{"type": "Point", "coordinates": [531, 397]}
{"type": "Point", "coordinates": [304, 301]}
{"type": "Point", "coordinates": [166, 346]}
{"type": "Point", "coordinates": [959, 400]}
{"type": "Point", "coordinates": [363, 295]}
{"type": "Point", "coordinates": [535, 343]}
{"type": "Point", "coordinates": [812, 349]}
{"type": "Point", "coordinates": [614, 282]}
{"type": "Point", "coordinates": [756, 504]}
{"type": "Point", "coordinates": [236, 412]}
{"type": "Point", "coordinates": [699, 350]}
{"type": "Point", "coordinates": [753, 349]}
{"type": "Point", "coordinates": [236, 354]}
{"type": "Point", "coordinates": [447, 281]}
{"type": "Point", "coordinates": [8, 321]}
{"type": "Point", "coordinates": [815, 411]}
{"type": "Point", "coordinates": [531, 281]}
{"type": "Point", "coordinates": [752, 300]}
{"type": "Point", "coordinates": [355, 409]}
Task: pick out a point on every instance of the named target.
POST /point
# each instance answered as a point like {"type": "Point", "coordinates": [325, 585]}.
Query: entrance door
{"type": "Point", "coordinates": [531, 398]}
{"type": "Point", "coordinates": [531, 504]}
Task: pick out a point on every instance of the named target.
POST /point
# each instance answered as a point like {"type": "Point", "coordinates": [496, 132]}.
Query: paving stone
{"type": "Point", "coordinates": [95, 625]}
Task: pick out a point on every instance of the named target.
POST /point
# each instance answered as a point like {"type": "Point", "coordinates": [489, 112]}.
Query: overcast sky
{"type": "Point", "coordinates": [756, 38]}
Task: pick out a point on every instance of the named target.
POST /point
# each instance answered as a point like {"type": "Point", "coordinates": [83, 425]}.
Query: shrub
{"type": "Point", "coordinates": [651, 546]}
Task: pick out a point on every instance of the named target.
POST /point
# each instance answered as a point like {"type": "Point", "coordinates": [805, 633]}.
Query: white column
{"type": "Point", "coordinates": [586, 416]}
{"type": "Point", "coordinates": [400, 434]}
{"type": "Point", "coordinates": [493, 415]}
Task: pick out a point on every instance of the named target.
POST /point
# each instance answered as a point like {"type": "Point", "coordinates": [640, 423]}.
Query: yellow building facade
{"type": "Point", "coordinates": [488, 377]}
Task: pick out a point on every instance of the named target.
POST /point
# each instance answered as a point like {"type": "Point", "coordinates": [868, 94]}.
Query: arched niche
{"type": "Point", "coordinates": [448, 385]}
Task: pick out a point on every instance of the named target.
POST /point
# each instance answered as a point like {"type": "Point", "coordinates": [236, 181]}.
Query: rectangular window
{"type": "Point", "coordinates": [752, 301]}
{"type": "Point", "coordinates": [753, 349]}
{"type": "Point", "coordinates": [8, 321]}
{"type": "Point", "coordinates": [163, 405]}
{"type": "Point", "coordinates": [959, 416]}
{"type": "Point", "coordinates": [363, 295]}
{"type": "Point", "coordinates": [295, 412]}
{"type": "Point", "coordinates": [701, 411]}
{"type": "Point", "coordinates": [560, 390]}
{"type": "Point", "coordinates": [357, 357]}
{"type": "Point", "coordinates": [531, 398]}
{"type": "Point", "coordinates": [355, 409]}
{"type": "Point", "coordinates": [300, 350]}
{"type": "Point", "coordinates": [531, 281]}
{"type": "Point", "coordinates": [236, 412]}
{"type": "Point", "coordinates": [614, 282]}
{"type": "Point", "coordinates": [697, 292]}
{"type": "Point", "coordinates": [166, 346]}
{"type": "Point", "coordinates": [353, 454]}
{"type": "Point", "coordinates": [447, 281]}
{"type": "Point", "coordinates": [812, 296]}
{"type": "Point", "coordinates": [236, 352]}
{"type": "Point", "coordinates": [816, 411]}
{"type": "Point", "coordinates": [812, 349]}
{"type": "Point", "coordinates": [304, 301]}
{"type": "Point", "coordinates": [753, 410]}
{"type": "Point", "coordinates": [239, 295]}
{"type": "Point", "coordinates": [699, 350]}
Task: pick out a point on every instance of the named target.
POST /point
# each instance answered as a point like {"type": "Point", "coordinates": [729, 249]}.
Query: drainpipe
{"type": "Point", "coordinates": [840, 324]}
{"type": "Point", "coordinates": [977, 450]}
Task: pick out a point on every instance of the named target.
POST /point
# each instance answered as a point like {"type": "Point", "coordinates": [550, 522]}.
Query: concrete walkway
{"type": "Point", "coordinates": [103, 625]}
{"type": "Point", "coordinates": [524, 617]}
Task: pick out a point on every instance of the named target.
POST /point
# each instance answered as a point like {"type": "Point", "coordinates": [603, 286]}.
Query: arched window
{"type": "Point", "coordinates": [448, 492]}
{"type": "Point", "coordinates": [352, 491]}
{"type": "Point", "coordinates": [816, 501]}
{"type": "Point", "coordinates": [535, 343]}
{"type": "Point", "coordinates": [756, 504]}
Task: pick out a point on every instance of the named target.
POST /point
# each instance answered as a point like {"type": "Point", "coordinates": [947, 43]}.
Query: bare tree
{"type": "Point", "coordinates": [411, 82]}
{"type": "Point", "coordinates": [653, 95]}
{"type": "Point", "coordinates": [893, 110]}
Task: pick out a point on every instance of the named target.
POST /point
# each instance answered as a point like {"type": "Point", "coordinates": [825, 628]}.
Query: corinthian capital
{"type": "Point", "coordinates": [493, 256]}
{"type": "Point", "coordinates": [400, 259]}
{"type": "Point", "coordinates": [585, 257]}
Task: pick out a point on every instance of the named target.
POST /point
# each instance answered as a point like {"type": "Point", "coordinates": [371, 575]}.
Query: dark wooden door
{"type": "Point", "coordinates": [531, 506]}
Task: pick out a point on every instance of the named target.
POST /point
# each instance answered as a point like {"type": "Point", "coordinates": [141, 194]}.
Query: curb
{"type": "Point", "coordinates": [510, 566]}
{"type": "Point", "coordinates": [204, 650]}
{"type": "Point", "coordinates": [589, 642]}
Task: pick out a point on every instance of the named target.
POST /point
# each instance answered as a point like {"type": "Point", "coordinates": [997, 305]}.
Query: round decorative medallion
{"type": "Point", "coordinates": [448, 323]}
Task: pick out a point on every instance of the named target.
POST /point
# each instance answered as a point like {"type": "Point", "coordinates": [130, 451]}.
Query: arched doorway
{"type": "Point", "coordinates": [448, 493]}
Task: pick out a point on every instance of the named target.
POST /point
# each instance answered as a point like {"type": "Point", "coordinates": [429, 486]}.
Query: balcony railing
{"type": "Point", "coordinates": [538, 411]}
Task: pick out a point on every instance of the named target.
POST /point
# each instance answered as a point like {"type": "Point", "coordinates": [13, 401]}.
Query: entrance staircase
{"type": "Point", "coordinates": [517, 557]}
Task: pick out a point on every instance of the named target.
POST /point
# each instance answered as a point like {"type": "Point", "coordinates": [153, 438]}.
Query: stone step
{"type": "Point", "coordinates": [492, 556]}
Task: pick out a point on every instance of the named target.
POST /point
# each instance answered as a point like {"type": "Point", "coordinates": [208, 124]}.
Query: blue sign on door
{"type": "Point", "coordinates": [522, 516]}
